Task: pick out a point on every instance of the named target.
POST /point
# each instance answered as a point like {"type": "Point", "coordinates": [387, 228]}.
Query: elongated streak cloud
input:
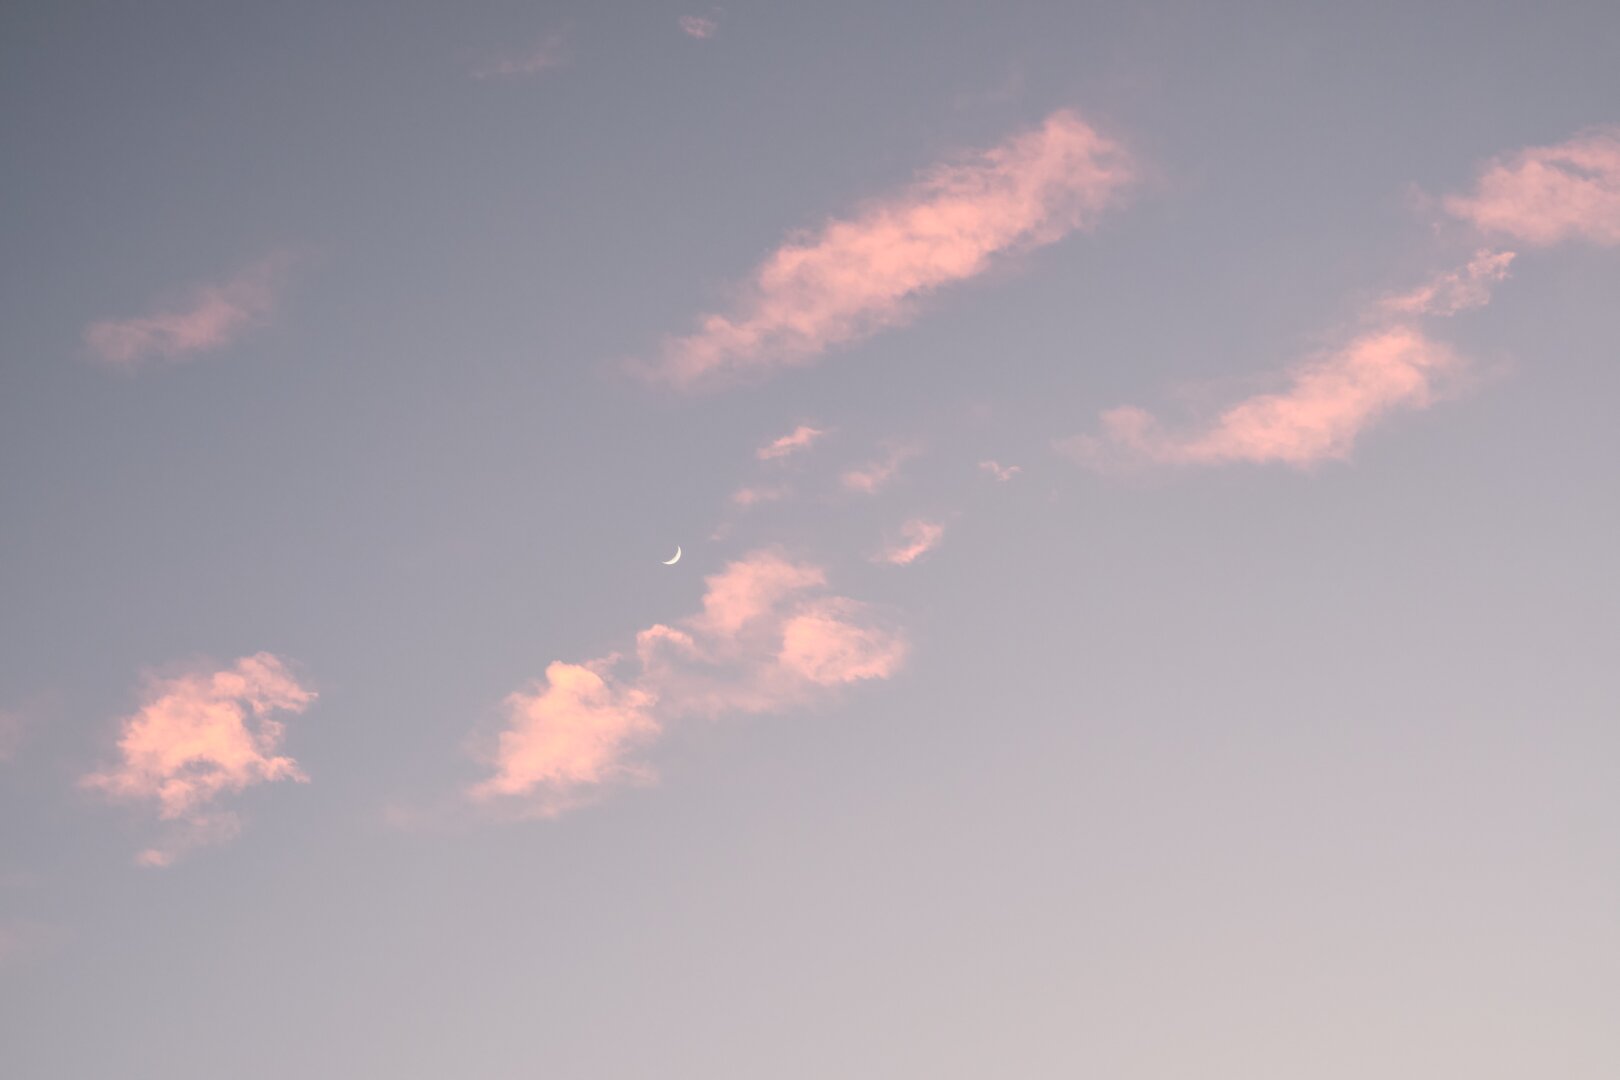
{"type": "Point", "coordinates": [199, 737]}
{"type": "Point", "coordinates": [1547, 194]}
{"type": "Point", "coordinates": [1317, 417]}
{"type": "Point", "coordinates": [799, 438]}
{"type": "Point", "coordinates": [768, 637]}
{"type": "Point", "coordinates": [1456, 290]}
{"type": "Point", "coordinates": [917, 538]}
{"type": "Point", "coordinates": [214, 317]}
{"type": "Point", "coordinates": [856, 276]}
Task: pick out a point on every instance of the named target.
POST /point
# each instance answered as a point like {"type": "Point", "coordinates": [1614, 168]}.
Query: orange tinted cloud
{"type": "Point", "coordinates": [799, 438]}
{"type": "Point", "coordinates": [768, 638]}
{"type": "Point", "coordinates": [1326, 404]}
{"type": "Point", "coordinates": [214, 317]}
{"type": "Point", "coordinates": [1455, 290]}
{"type": "Point", "coordinates": [917, 538]}
{"type": "Point", "coordinates": [199, 737]}
{"type": "Point", "coordinates": [858, 275]}
{"type": "Point", "coordinates": [1547, 194]}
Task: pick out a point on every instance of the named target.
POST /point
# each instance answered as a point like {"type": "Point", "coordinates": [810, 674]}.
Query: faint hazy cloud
{"type": "Point", "coordinates": [199, 737]}
{"type": "Point", "coordinates": [1001, 472]}
{"type": "Point", "coordinates": [798, 439]}
{"type": "Point", "coordinates": [754, 495]}
{"type": "Point", "coordinates": [548, 53]}
{"type": "Point", "coordinates": [856, 276]}
{"type": "Point", "coordinates": [1455, 290]}
{"type": "Point", "coordinates": [872, 477]}
{"type": "Point", "coordinates": [1546, 194]}
{"type": "Point", "coordinates": [213, 317]}
{"type": "Point", "coordinates": [1326, 403]}
{"type": "Point", "coordinates": [11, 734]}
{"type": "Point", "coordinates": [768, 637]}
{"type": "Point", "coordinates": [917, 538]}
{"type": "Point", "coordinates": [701, 27]}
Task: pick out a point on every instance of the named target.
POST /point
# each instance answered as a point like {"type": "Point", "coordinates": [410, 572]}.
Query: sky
{"type": "Point", "coordinates": [1142, 477]}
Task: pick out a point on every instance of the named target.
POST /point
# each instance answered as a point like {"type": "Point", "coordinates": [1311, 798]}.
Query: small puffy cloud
{"type": "Point", "coordinates": [917, 538]}
{"type": "Point", "coordinates": [1001, 472]}
{"type": "Point", "coordinates": [768, 637]}
{"type": "Point", "coordinates": [200, 737]}
{"type": "Point", "coordinates": [569, 732]}
{"type": "Point", "coordinates": [856, 276]}
{"type": "Point", "coordinates": [213, 317]}
{"type": "Point", "coordinates": [701, 27]}
{"type": "Point", "coordinates": [548, 53]}
{"type": "Point", "coordinates": [799, 438]}
{"type": "Point", "coordinates": [1545, 195]}
{"type": "Point", "coordinates": [1327, 402]}
{"type": "Point", "coordinates": [1455, 290]}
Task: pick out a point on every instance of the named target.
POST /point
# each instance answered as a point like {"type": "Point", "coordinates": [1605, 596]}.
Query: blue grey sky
{"type": "Point", "coordinates": [1221, 682]}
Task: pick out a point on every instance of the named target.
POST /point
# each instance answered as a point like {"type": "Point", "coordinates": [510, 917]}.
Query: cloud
{"type": "Point", "coordinates": [768, 637]}
{"type": "Point", "coordinates": [1548, 194]}
{"type": "Point", "coordinates": [701, 27]}
{"type": "Point", "coordinates": [754, 495]}
{"type": "Point", "coordinates": [1001, 472]}
{"type": "Point", "coordinates": [1326, 404]}
{"type": "Point", "coordinates": [548, 53]}
{"type": "Point", "coordinates": [11, 734]}
{"type": "Point", "coordinates": [870, 478]}
{"type": "Point", "coordinates": [215, 316]}
{"type": "Point", "coordinates": [1455, 290]}
{"type": "Point", "coordinates": [859, 275]}
{"type": "Point", "coordinates": [799, 438]}
{"type": "Point", "coordinates": [199, 737]}
{"type": "Point", "coordinates": [917, 538]}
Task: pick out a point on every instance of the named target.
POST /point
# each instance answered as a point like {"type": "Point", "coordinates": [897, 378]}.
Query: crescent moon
{"type": "Point", "coordinates": [676, 559]}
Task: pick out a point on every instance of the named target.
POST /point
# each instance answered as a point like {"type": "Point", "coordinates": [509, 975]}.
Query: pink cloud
{"type": "Point", "coordinates": [569, 732]}
{"type": "Point", "coordinates": [917, 538]}
{"type": "Point", "coordinates": [1327, 403]}
{"type": "Point", "coordinates": [768, 637]}
{"type": "Point", "coordinates": [856, 276]}
{"type": "Point", "coordinates": [1455, 290]}
{"type": "Point", "coordinates": [214, 317]}
{"type": "Point", "coordinates": [701, 27]}
{"type": "Point", "coordinates": [547, 54]}
{"type": "Point", "coordinates": [799, 438]}
{"type": "Point", "coordinates": [753, 496]}
{"type": "Point", "coordinates": [1001, 472]}
{"type": "Point", "coordinates": [1547, 194]}
{"type": "Point", "coordinates": [199, 737]}
{"type": "Point", "coordinates": [872, 477]}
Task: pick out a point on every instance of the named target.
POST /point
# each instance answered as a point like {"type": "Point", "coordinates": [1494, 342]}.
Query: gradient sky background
{"type": "Point", "coordinates": [1267, 732]}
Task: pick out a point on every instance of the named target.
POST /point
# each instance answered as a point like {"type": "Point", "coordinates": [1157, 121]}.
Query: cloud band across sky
{"type": "Point", "coordinates": [854, 276]}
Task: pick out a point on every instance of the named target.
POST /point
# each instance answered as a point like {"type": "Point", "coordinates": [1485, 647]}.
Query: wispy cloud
{"type": "Point", "coordinates": [872, 477]}
{"type": "Point", "coordinates": [753, 495]}
{"type": "Point", "coordinates": [917, 538]}
{"type": "Point", "coordinates": [213, 317]}
{"type": "Point", "coordinates": [701, 27]}
{"type": "Point", "coordinates": [799, 438]}
{"type": "Point", "coordinates": [858, 275]}
{"type": "Point", "coordinates": [1547, 194]}
{"type": "Point", "coordinates": [768, 637]}
{"type": "Point", "coordinates": [1326, 403]}
{"type": "Point", "coordinates": [1001, 472]}
{"type": "Point", "coordinates": [1455, 290]}
{"type": "Point", "coordinates": [199, 737]}
{"type": "Point", "coordinates": [548, 53]}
